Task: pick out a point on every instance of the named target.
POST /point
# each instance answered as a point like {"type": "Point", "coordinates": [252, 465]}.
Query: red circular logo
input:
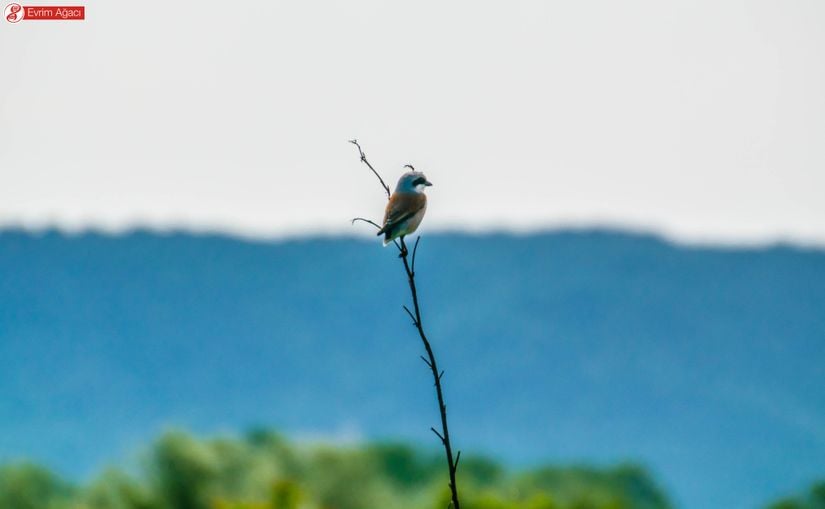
{"type": "Point", "coordinates": [13, 13]}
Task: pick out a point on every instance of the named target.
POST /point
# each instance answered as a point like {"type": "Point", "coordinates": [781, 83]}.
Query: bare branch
{"type": "Point", "coordinates": [442, 407]}
{"type": "Point", "coordinates": [415, 315]}
{"type": "Point", "coordinates": [364, 160]}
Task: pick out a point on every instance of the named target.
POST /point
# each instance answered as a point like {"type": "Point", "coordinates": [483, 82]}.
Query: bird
{"type": "Point", "coordinates": [406, 207]}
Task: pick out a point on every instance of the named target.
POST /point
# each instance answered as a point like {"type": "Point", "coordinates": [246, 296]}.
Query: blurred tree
{"type": "Point", "coordinates": [115, 490]}
{"type": "Point", "coordinates": [813, 499]}
{"type": "Point", "coordinates": [184, 472]}
{"type": "Point", "coordinates": [286, 494]}
{"type": "Point", "coordinates": [265, 471]}
{"type": "Point", "coordinates": [347, 479]}
{"type": "Point", "coordinates": [28, 486]}
{"type": "Point", "coordinates": [787, 503]}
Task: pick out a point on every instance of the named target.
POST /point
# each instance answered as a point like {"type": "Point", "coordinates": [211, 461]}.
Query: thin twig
{"type": "Point", "coordinates": [409, 313]}
{"type": "Point", "coordinates": [366, 221]}
{"type": "Point", "coordinates": [364, 160]}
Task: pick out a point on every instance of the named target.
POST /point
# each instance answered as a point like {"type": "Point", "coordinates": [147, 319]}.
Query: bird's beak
{"type": "Point", "coordinates": [428, 183]}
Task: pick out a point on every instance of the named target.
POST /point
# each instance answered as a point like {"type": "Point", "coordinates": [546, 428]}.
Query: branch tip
{"type": "Point", "coordinates": [364, 160]}
{"type": "Point", "coordinates": [415, 251]}
{"type": "Point", "coordinates": [366, 221]}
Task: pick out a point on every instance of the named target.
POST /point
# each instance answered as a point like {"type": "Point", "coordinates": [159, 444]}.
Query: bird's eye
{"type": "Point", "coordinates": [418, 181]}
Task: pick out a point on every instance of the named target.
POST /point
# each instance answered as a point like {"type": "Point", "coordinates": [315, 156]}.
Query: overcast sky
{"type": "Point", "coordinates": [704, 121]}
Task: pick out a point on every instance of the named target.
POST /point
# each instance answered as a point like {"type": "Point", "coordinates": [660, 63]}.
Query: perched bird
{"type": "Point", "coordinates": [406, 207]}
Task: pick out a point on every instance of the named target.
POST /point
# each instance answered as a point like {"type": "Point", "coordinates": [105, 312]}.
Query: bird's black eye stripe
{"type": "Point", "coordinates": [419, 181]}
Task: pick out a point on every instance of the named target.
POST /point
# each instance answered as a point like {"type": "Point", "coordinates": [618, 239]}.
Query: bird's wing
{"type": "Point", "coordinates": [401, 207]}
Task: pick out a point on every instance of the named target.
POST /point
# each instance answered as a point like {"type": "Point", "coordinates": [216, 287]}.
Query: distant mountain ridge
{"type": "Point", "coordinates": [706, 364]}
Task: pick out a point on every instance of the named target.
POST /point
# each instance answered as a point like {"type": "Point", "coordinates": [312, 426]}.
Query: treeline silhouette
{"type": "Point", "coordinates": [263, 470]}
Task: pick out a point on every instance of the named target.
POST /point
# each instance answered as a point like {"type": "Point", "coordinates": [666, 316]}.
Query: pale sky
{"type": "Point", "coordinates": [703, 121]}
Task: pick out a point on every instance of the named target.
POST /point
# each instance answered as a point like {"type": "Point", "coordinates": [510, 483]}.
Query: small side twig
{"type": "Point", "coordinates": [410, 314]}
{"type": "Point", "coordinates": [366, 221]}
{"type": "Point", "coordinates": [415, 250]}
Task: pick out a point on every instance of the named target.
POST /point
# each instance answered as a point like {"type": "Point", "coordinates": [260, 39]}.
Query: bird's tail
{"type": "Point", "coordinates": [387, 233]}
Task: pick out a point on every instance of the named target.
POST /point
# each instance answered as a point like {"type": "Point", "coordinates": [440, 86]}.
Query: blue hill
{"type": "Point", "coordinates": [708, 365]}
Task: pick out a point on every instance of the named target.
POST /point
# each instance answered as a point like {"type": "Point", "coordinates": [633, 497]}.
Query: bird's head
{"type": "Point", "coordinates": [412, 182]}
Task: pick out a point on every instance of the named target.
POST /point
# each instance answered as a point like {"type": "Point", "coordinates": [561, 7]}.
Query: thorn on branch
{"type": "Point", "coordinates": [437, 434]}
{"type": "Point", "coordinates": [440, 375]}
{"type": "Point", "coordinates": [415, 322]}
{"type": "Point", "coordinates": [426, 361]}
{"type": "Point", "coordinates": [409, 166]}
{"type": "Point", "coordinates": [457, 458]}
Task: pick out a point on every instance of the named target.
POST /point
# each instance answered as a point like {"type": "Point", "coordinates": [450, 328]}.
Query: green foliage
{"type": "Point", "coordinates": [286, 494]}
{"type": "Point", "coordinates": [813, 499]}
{"type": "Point", "coordinates": [264, 471]}
{"type": "Point", "coordinates": [115, 490]}
{"type": "Point", "coordinates": [623, 487]}
{"type": "Point", "coordinates": [28, 486]}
